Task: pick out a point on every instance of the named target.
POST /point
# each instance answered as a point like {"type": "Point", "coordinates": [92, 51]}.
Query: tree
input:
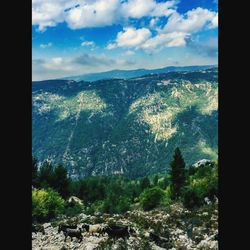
{"type": "Point", "coordinates": [202, 184]}
{"type": "Point", "coordinates": [145, 183]}
{"type": "Point", "coordinates": [46, 204]}
{"type": "Point", "coordinates": [46, 175]}
{"type": "Point", "coordinates": [151, 198]}
{"type": "Point", "coordinates": [61, 181]}
{"type": "Point", "coordinates": [34, 172]}
{"type": "Point", "coordinates": [177, 174]}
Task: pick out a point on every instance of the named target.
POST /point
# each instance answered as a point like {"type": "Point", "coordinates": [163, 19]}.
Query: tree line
{"type": "Point", "coordinates": [118, 194]}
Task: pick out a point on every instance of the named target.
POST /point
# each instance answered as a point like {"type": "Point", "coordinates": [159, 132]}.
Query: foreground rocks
{"type": "Point", "coordinates": [172, 228]}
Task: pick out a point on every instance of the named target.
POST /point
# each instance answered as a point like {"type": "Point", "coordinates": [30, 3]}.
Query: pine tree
{"type": "Point", "coordinates": [177, 174]}
{"type": "Point", "coordinates": [61, 181]}
{"type": "Point", "coordinates": [46, 175]}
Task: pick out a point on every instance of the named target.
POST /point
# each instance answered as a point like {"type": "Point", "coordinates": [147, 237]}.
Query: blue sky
{"type": "Point", "coordinates": [71, 37]}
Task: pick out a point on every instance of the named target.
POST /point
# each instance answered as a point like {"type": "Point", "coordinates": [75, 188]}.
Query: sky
{"type": "Point", "coordinates": [73, 37]}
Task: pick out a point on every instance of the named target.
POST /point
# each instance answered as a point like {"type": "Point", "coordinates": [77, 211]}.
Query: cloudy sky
{"type": "Point", "coordinates": [71, 37]}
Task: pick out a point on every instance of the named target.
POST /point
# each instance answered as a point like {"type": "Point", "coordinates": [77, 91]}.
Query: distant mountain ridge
{"type": "Point", "coordinates": [126, 74]}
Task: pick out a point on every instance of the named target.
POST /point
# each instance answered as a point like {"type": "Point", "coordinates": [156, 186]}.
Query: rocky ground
{"type": "Point", "coordinates": [173, 228]}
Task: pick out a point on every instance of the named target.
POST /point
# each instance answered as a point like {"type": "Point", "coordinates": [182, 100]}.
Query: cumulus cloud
{"type": "Point", "coordinates": [141, 8]}
{"type": "Point", "coordinates": [177, 30]}
{"type": "Point", "coordinates": [44, 46]}
{"type": "Point", "coordinates": [142, 38]}
{"type": "Point", "coordinates": [96, 13]}
{"type": "Point", "coordinates": [164, 9]}
{"type": "Point", "coordinates": [47, 13]}
{"type": "Point", "coordinates": [137, 8]}
{"type": "Point", "coordinates": [131, 37]}
{"type": "Point", "coordinates": [93, 14]}
{"type": "Point", "coordinates": [193, 21]}
{"type": "Point", "coordinates": [173, 39]}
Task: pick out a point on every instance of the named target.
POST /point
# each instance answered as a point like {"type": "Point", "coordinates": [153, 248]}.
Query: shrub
{"type": "Point", "coordinates": [46, 204]}
{"type": "Point", "coordinates": [73, 209]}
{"type": "Point", "coordinates": [95, 207]}
{"type": "Point", "coordinates": [191, 198]}
{"type": "Point", "coordinates": [116, 204]}
{"type": "Point", "coordinates": [167, 197]}
{"type": "Point", "coordinates": [204, 183]}
{"type": "Point", "coordinates": [151, 198]}
{"type": "Point", "coordinates": [123, 205]}
{"type": "Point", "coordinates": [145, 183]}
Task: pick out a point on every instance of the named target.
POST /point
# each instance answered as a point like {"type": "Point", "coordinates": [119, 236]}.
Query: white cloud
{"type": "Point", "coordinates": [141, 8]}
{"type": "Point", "coordinates": [214, 22]}
{"type": "Point", "coordinates": [47, 13]}
{"type": "Point", "coordinates": [96, 13]}
{"type": "Point", "coordinates": [180, 27]}
{"type": "Point", "coordinates": [138, 8]}
{"type": "Point", "coordinates": [93, 14]}
{"type": "Point", "coordinates": [173, 39]}
{"type": "Point", "coordinates": [87, 43]}
{"type": "Point", "coordinates": [193, 21]}
{"type": "Point", "coordinates": [164, 9]}
{"type": "Point", "coordinates": [131, 38]}
{"type": "Point", "coordinates": [44, 46]}
{"type": "Point", "coordinates": [175, 32]}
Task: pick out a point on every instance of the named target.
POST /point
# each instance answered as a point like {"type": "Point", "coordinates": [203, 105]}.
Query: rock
{"type": "Point", "coordinates": [46, 225]}
{"type": "Point", "coordinates": [201, 163]}
{"type": "Point", "coordinates": [91, 246]}
{"type": "Point", "coordinates": [74, 199]}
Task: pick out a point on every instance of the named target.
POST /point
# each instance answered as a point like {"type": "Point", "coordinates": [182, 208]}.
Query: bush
{"type": "Point", "coordinates": [151, 198]}
{"type": "Point", "coordinates": [46, 204]}
{"type": "Point", "coordinates": [167, 197]}
{"type": "Point", "coordinates": [123, 205]}
{"type": "Point", "coordinates": [95, 207]}
{"type": "Point", "coordinates": [116, 204]}
{"type": "Point", "coordinates": [204, 183]}
{"type": "Point", "coordinates": [73, 209]}
{"type": "Point", "coordinates": [191, 198]}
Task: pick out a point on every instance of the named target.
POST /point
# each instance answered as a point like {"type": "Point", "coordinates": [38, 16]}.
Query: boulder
{"type": "Point", "coordinates": [201, 163]}
{"type": "Point", "coordinates": [74, 199]}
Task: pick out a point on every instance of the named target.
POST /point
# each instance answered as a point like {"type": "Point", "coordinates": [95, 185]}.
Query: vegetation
{"type": "Point", "coordinates": [203, 183]}
{"type": "Point", "coordinates": [151, 198]}
{"type": "Point", "coordinates": [118, 194]}
{"type": "Point", "coordinates": [46, 204]}
{"type": "Point", "coordinates": [125, 126]}
{"type": "Point", "coordinates": [177, 174]}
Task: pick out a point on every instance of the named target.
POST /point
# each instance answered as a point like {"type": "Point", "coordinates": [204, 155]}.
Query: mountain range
{"type": "Point", "coordinates": [126, 74]}
{"type": "Point", "coordinates": [126, 126]}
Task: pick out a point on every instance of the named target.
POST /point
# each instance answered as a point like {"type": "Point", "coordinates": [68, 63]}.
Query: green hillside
{"type": "Point", "coordinates": [126, 126]}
